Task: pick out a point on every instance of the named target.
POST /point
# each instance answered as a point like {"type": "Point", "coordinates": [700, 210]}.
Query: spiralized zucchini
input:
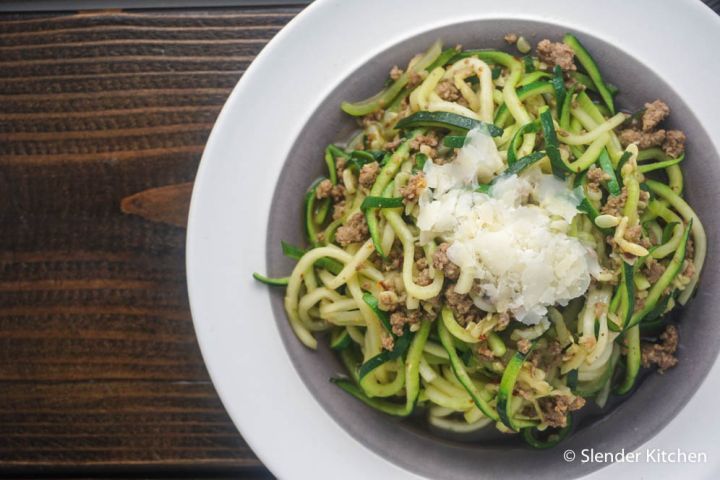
{"type": "Point", "coordinates": [371, 281]}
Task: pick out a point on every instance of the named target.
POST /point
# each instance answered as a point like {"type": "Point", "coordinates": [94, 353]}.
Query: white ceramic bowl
{"type": "Point", "coordinates": [250, 367]}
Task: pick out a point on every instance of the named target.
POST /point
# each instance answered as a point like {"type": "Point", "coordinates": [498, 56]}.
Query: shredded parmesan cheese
{"type": "Point", "coordinates": [512, 241]}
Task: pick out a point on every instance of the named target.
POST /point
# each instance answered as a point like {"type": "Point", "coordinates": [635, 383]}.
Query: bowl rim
{"type": "Point", "coordinates": [212, 254]}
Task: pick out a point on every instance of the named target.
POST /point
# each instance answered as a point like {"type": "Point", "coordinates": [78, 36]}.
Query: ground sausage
{"type": "Point", "coordinates": [655, 113]}
{"type": "Point", "coordinates": [339, 166]}
{"type": "Point", "coordinates": [555, 409]}
{"type": "Point", "coordinates": [338, 210]}
{"type": "Point", "coordinates": [653, 270]}
{"type": "Point", "coordinates": [547, 358]}
{"type": "Point", "coordinates": [414, 79]}
{"type": "Point", "coordinates": [640, 300]}
{"type": "Point", "coordinates": [425, 144]}
{"type": "Point", "coordinates": [423, 277]}
{"type": "Point", "coordinates": [388, 300]}
{"type": "Point", "coordinates": [484, 351]}
{"type": "Point", "coordinates": [442, 262]}
{"type": "Point", "coordinates": [523, 345]}
{"type": "Point", "coordinates": [393, 144]}
{"type": "Point", "coordinates": [395, 72]}
{"type": "Point", "coordinates": [323, 189]}
{"type": "Point", "coordinates": [461, 305]}
{"type": "Point", "coordinates": [503, 321]}
{"type": "Point", "coordinates": [372, 118]}
{"type": "Point", "coordinates": [511, 38]}
{"type": "Point", "coordinates": [556, 53]}
{"type": "Point", "coordinates": [643, 139]}
{"type": "Point", "coordinates": [394, 259]}
{"type": "Point", "coordinates": [553, 357]}
{"type": "Point", "coordinates": [416, 184]}
{"type": "Point", "coordinates": [399, 319]}
{"type": "Point", "coordinates": [338, 193]}
{"type": "Point", "coordinates": [355, 230]}
{"type": "Point", "coordinates": [633, 234]}
{"type": "Point", "coordinates": [387, 342]}
{"type": "Point", "coordinates": [688, 269]}
{"type": "Point", "coordinates": [368, 174]}
{"type": "Point", "coordinates": [674, 144]}
{"type": "Point", "coordinates": [614, 204]}
{"type": "Point", "coordinates": [430, 140]}
{"type": "Point", "coordinates": [662, 354]}
{"type": "Point", "coordinates": [643, 200]}
{"type": "Point", "coordinates": [596, 175]}
{"type": "Point", "coordinates": [448, 91]}
{"type": "Point", "coordinates": [690, 250]}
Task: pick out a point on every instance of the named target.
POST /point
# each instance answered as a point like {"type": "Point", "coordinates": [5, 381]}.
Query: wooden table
{"type": "Point", "coordinates": [100, 372]}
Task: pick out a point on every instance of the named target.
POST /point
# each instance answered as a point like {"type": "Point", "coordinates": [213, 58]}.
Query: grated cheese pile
{"type": "Point", "coordinates": [514, 241]}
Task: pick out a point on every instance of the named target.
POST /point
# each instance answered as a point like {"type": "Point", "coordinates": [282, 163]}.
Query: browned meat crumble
{"type": "Point", "coordinates": [416, 184]}
{"type": "Point", "coordinates": [556, 53]}
{"type": "Point", "coordinates": [655, 113]}
{"type": "Point", "coordinates": [442, 262]}
{"type": "Point", "coordinates": [368, 174]}
{"type": "Point", "coordinates": [662, 354]}
{"type": "Point", "coordinates": [355, 230]}
{"type": "Point", "coordinates": [555, 409]}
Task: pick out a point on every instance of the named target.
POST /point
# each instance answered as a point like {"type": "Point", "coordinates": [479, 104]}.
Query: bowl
{"type": "Point", "coordinates": [626, 424]}
{"type": "Point", "coordinates": [657, 398]}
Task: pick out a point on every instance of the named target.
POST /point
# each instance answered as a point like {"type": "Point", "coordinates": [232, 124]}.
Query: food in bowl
{"type": "Point", "coordinates": [497, 245]}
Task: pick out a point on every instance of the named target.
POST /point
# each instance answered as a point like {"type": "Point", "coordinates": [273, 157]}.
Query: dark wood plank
{"type": "Point", "coordinates": [99, 366]}
{"type": "Point", "coordinates": [169, 204]}
{"type": "Point", "coordinates": [115, 422]}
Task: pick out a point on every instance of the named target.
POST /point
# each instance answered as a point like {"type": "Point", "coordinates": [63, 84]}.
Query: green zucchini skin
{"type": "Point", "coordinates": [586, 206]}
{"type": "Point", "coordinates": [444, 58]}
{"type": "Point", "coordinates": [310, 199]}
{"type": "Point", "coordinates": [381, 202]}
{"type": "Point", "coordinates": [530, 90]}
{"type": "Point", "coordinates": [559, 167]}
{"type": "Point", "coordinates": [385, 97]}
{"type": "Point", "coordinates": [507, 385]}
{"type": "Point", "coordinates": [651, 167]}
{"type": "Point", "coordinates": [340, 339]}
{"type": "Point", "coordinates": [558, 83]}
{"type": "Point", "coordinates": [274, 282]}
{"type": "Point", "coordinates": [524, 163]}
{"type": "Point", "coordinates": [632, 360]}
{"type": "Point", "coordinates": [671, 271]}
{"type": "Point", "coordinates": [458, 369]}
{"type": "Point", "coordinates": [587, 61]}
{"type": "Point", "coordinates": [454, 141]}
{"type": "Point", "coordinates": [565, 109]}
{"type": "Point", "coordinates": [632, 329]}
{"type": "Point", "coordinates": [329, 264]}
{"type": "Point", "coordinates": [450, 121]}
{"type": "Point", "coordinates": [402, 342]}
{"type": "Point", "coordinates": [587, 82]}
{"type": "Point", "coordinates": [382, 186]}
{"type": "Point", "coordinates": [531, 127]}
{"type": "Point", "coordinates": [626, 292]}
{"type": "Point", "coordinates": [384, 406]}
{"type": "Point", "coordinates": [412, 379]}
{"type": "Point", "coordinates": [613, 185]}
{"type": "Point", "coordinates": [530, 436]}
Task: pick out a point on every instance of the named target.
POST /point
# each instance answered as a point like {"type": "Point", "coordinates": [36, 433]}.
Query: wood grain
{"type": "Point", "coordinates": [99, 366]}
{"type": "Point", "coordinates": [168, 204]}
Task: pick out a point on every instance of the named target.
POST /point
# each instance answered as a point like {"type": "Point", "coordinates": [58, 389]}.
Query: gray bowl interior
{"type": "Point", "coordinates": [628, 422]}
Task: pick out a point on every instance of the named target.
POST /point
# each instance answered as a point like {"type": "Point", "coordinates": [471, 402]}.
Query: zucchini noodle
{"type": "Point", "coordinates": [417, 332]}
